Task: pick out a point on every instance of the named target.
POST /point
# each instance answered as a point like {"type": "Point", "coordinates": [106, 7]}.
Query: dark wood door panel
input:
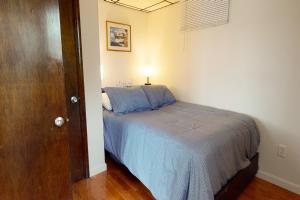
{"type": "Point", "coordinates": [34, 152]}
{"type": "Point", "coordinates": [74, 87]}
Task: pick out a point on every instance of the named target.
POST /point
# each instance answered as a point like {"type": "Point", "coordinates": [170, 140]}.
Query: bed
{"type": "Point", "coordinates": [185, 151]}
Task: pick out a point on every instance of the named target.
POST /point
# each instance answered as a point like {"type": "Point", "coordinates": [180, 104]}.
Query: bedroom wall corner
{"type": "Point", "coordinates": [123, 67]}
{"type": "Point", "coordinates": [89, 18]}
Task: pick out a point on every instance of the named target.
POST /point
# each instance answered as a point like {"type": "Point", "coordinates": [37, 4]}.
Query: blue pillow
{"type": "Point", "coordinates": [158, 95]}
{"type": "Point", "coordinates": [125, 100]}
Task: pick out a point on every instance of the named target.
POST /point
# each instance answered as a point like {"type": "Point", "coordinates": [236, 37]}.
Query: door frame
{"type": "Point", "coordinates": [81, 90]}
{"type": "Point", "coordinates": [72, 23]}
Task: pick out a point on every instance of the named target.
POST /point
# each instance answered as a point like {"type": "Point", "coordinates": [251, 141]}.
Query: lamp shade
{"type": "Point", "coordinates": [148, 70]}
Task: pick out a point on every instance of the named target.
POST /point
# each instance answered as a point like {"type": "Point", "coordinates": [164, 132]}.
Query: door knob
{"type": "Point", "coordinates": [59, 121]}
{"type": "Point", "coordinates": [74, 99]}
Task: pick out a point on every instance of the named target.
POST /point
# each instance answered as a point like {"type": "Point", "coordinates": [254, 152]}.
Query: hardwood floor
{"type": "Point", "coordinates": [118, 184]}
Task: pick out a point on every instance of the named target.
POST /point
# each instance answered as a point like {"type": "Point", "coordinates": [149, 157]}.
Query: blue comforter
{"type": "Point", "coordinates": [182, 151]}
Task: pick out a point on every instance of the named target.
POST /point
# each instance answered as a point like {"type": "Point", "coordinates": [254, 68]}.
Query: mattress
{"type": "Point", "coordinates": [182, 151]}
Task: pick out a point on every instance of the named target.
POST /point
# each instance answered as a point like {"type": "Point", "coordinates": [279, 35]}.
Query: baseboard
{"type": "Point", "coordinates": [98, 169]}
{"type": "Point", "coordinates": [293, 187]}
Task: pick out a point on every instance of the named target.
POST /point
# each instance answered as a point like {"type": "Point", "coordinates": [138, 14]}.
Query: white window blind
{"type": "Point", "coordinates": [199, 14]}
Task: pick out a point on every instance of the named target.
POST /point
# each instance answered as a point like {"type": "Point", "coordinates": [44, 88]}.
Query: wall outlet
{"type": "Point", "coordinates": [282, 151]}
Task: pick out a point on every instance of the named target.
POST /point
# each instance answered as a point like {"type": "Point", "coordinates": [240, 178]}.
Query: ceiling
{"type": "Point", "coordinates": [143, 5]}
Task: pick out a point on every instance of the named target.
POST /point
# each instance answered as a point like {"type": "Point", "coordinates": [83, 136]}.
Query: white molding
{"type": "Point", "coordinates": [293, 187]}
{"type": "Point", "coordinates": [98, 169]}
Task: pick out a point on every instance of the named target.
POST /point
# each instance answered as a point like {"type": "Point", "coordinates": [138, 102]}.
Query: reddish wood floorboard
{"type": "Point", "coordinates": [118, 184]}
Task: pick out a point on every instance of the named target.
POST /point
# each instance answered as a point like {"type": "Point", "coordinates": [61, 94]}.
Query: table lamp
{"type": "Point", "coordinates": [148, 71]}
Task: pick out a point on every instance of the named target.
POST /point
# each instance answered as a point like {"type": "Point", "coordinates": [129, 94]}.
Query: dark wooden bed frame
{"type": "Point", "coordinates": [234, 187]}
{"type": "Point", "coordinates": [239, 182]}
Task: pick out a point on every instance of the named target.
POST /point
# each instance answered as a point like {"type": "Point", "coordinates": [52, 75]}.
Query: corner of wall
{"type": "Point", "coordinates": [89, 18]}
{"type": "Point", "coordinates": [97, 169]}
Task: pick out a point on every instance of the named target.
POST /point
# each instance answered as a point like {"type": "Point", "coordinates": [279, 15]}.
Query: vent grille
{"type": "Point", "coordinates": [200, 14]}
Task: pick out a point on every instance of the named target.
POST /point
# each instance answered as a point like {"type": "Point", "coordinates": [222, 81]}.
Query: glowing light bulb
{"type": "Point", "coordinates": [148, 71]}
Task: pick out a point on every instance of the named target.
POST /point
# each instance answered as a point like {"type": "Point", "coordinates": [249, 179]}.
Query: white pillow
{"type": "Point", "coordinates": [106, 102]}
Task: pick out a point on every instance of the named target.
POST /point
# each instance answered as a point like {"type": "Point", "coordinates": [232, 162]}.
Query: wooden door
{"type": "Point", "coordinates": [34, 152]}
{"type": "Point", "coordinates": [75, 89]}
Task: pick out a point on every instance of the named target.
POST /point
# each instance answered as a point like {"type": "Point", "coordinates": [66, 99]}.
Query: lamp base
{"type": "Point", "coordinates": [147, 83]}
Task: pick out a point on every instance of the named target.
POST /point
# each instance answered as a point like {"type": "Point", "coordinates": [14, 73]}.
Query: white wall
{"type": "Point", "coordinates": [123, 66]}
{"type": "Point", "coordinates": [251, 65]}
{"type": "Point", "coordinates": [117, 66]}
{"type": "Point", "coordinates": [91, 68]}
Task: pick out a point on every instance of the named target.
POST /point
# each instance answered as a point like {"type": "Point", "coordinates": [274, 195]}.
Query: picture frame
{"type": "Point", "coordinates": [118, 36]}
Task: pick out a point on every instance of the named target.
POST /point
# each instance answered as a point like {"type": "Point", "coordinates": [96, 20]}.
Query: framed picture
{"type": "Point", "coordinates": [118, 36]}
